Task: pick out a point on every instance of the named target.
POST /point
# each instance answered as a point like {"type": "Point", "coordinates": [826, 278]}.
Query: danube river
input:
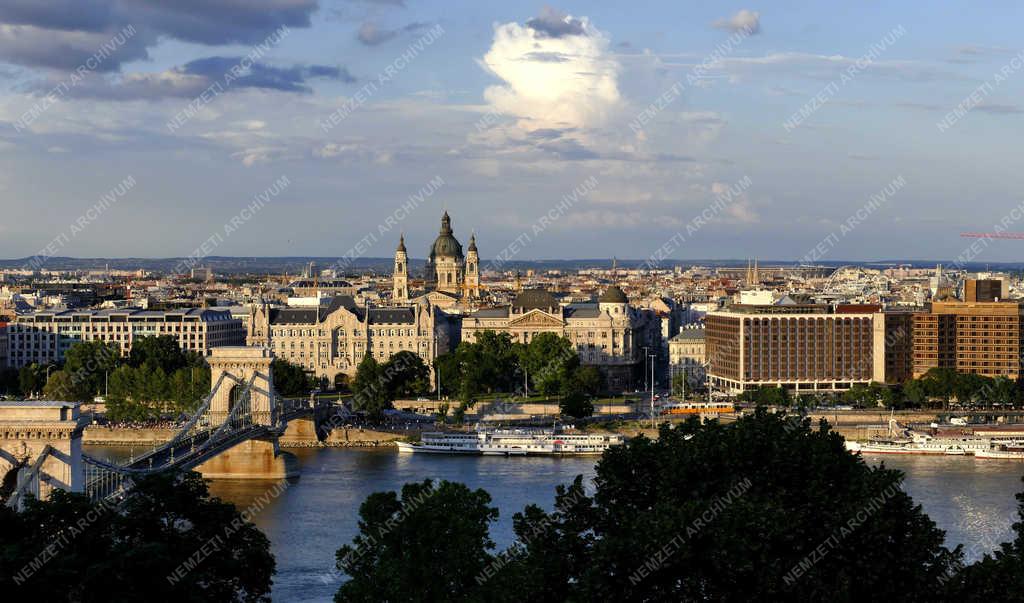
{"type": "Point", "coordinates": [973, 500]}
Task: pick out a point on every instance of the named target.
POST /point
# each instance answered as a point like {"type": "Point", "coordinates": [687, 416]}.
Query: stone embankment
{"type": "Point", "coordinates": [352, 437]}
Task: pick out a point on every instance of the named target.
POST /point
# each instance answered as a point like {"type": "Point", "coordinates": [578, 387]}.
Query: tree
{"type": "Point", "coordinates": [865, 396]}
{"type": "Point", "coordinates": [406, 374]}
{"type": "Point", "coordinates": [447, 373]}
{"type": "Point", "coordinates": [550, 359]}
{"type": "Point", "coordinates": [1004, 391]}
{"type": "Point", "coordinates": [589, 379]}
{"type": "Point", "coordinates": [31, 379]}
{"type": "Point", "coordinates": [500, 358]}
{"type": "Point", "coordinates": [576, 404]}
{"type": "Point", "coordinates": [428, 545]}
{"type": "Point", "coordinates": [679, 384]}
{"type": "Point", "coordinates": [768, 396]}
{"type": "Point", "coordinates": [472, 370]}
{"type": "Point", "coordinates": [765, 508]}
{"type": "Point", "coordinates": [160, 351]}
{"type": "Point", "coordinates": [290, 379]}
{"type": "Point", "coordinates": [138, 550]}
{"type": "Point", "coordinates": [89, 363]}
{"type": "Point", "coordinates": [372, 395]}
{"type": "Point", "coordinates": [696, 515]}
{"type": "Point", "coordinates": [60, 386]}
{"type": "Point", "coordinates": [915, 392]}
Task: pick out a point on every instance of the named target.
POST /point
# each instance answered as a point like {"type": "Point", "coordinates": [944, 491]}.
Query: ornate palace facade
{"type": "Point", "coordinates": [610, 334]}
{"type": "Point", "coordinates": [330, 341]}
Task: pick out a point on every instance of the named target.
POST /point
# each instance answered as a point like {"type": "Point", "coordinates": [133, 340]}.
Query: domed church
{"type": "Point", "coordinates": [448, 269]}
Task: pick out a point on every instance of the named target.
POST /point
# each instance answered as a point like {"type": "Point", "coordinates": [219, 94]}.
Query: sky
{"type": "Point", "coordinates": [785, 130]}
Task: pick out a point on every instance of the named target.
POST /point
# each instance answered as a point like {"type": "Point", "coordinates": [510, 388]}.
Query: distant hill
{"type": "Point", "coordinates": [297, 264]}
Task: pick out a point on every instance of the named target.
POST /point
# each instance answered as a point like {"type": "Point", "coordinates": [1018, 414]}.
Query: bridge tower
{"type": "Point", "coordinates": [259, 458]}
{"type": "Point", "coordinates": [239, 364]}
{"type": "Point", "coordinates": [47, 434]}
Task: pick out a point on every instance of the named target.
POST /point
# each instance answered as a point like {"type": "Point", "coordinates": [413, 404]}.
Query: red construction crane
{"type": "Point", "coordinates": [993, 235]}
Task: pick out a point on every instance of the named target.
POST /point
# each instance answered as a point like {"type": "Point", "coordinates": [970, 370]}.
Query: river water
{"type": "Point", "coordinates": [973, 500]}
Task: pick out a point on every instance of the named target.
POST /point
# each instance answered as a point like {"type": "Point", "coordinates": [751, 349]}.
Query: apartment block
{"type": "Point", "coordinates": [44, 337]}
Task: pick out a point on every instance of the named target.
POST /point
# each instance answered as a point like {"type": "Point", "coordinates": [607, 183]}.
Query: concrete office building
{"type": "Point", "coordinates": [44, 337]}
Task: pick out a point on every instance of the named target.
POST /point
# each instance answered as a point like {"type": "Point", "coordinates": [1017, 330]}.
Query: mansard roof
{"type": "Point", "coordinates": [392, 315]}
{"type": "Point", "coordinates": [309, 316]}
{"type": "Point", "coordinates": [534, 299]}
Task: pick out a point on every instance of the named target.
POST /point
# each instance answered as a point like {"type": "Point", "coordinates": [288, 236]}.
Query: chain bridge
{"type": "Point", "coordinates": [233, 434]}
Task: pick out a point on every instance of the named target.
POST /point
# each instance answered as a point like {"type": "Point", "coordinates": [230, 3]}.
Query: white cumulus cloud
{"type": "Point", "coordinates": [556, 72]}
{"type": "Point", "coordinates": [744, 20]}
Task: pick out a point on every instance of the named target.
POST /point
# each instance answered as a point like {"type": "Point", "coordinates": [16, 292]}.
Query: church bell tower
{"type": "Point", "coordinates": [400, 292]}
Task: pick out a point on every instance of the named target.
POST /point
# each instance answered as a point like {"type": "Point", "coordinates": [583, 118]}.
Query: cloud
{"type": "Point", "coordinates": [745, 20]}
{"type": "Point", "coordinates": [552, 23]}
{"type": "Point", "coordinates": [195, 77]}
{"type": "Point", "coordinates": [828, 67]}
{"type": "Point", "coordinates": [556, 72]}
{"type": "Point", "coordinates": [371, 35]}
{"type": "Point", "coordinates": [31, 46]}
{"type": "Point", "coordinates": [997, 109]}
{"type": "Point", "coordinates": [261, 75]}
{"type": "Point", "coordinates": [62, 34]}
{"type": "Point", "coordinates": [740, 210]}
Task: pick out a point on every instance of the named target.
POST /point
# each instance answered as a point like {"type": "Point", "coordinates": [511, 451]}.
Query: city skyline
{"type": "Point", "coordinates": [802, 128]}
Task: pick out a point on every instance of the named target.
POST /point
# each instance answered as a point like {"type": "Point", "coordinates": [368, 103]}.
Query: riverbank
{"type": "Point", "coordinates": [102, 435]}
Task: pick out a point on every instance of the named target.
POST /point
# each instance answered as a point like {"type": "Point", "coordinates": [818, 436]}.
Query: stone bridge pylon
{"type": "Point", "coordinates": [40, 441]}
{"type": "Point", "coordinates": [258, 458]}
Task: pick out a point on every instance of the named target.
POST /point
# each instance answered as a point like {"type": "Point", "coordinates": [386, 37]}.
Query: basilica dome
{"type": "Point", "coordinates": [446, 245]}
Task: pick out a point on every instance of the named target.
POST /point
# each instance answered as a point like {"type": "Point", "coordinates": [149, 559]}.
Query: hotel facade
{"type": "Point", "coordinates": [977, 337]}
{"type": "Point", "coordinates": [803, 348]}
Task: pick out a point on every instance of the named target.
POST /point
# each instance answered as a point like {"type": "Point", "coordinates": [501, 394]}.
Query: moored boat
{"type": "Point", "coordinates": [512, 442]}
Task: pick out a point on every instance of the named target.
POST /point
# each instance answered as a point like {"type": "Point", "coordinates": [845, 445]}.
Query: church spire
{"type": "Point", "coordinates": [401, 242]}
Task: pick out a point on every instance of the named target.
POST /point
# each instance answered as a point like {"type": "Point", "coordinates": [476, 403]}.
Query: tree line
{"type": "Point", "coordinates": [549, 365]}
{"type": "Point", "coordinates": [494, 363]}
{"type": "Point", "coordinates": [936, 389]}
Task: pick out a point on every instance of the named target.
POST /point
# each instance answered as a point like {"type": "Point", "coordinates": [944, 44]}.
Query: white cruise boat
{"type": "Point", "coordinates": [907, 441]}
{"type": "Point", "coordinates": [512, 442]}
{"type": "Point", "coordinates": [1012, 452]}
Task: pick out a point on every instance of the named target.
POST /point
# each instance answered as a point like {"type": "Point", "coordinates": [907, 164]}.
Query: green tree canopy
{"type": "Point", "coordinates": [137, 551]}
{"type": "Point", "coordinates": [31, 379]}
{"type": "Point", "coordinates": [428, 545]}
{"type": "Point", "coordinates": [372, 393]}
{"type": "Point", "coordinates": [290, 379]}
{"type": "Point", "coordinates": [406, 375]}
{"type": "Point", "coordinates": [162, 352]}
{"type": "Point", "coordinates": [551, 359]}
{"type": "Point", "coordinates": [576, 404]}
{"type": "Point", "coordinates": [89, 363]}
{"type": "Point", "coordinates": [712, 498]}
{"type": "Point", "coordinates": [763, 508]}
{"type": "Point", "coordinates": [60, 386]}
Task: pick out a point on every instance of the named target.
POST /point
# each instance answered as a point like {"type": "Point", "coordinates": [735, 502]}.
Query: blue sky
{"type": "Point", "coordinates": [512, 106]}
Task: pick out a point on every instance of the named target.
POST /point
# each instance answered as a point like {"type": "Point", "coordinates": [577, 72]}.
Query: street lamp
{"type": "Point", "coordinates": [651, 356]}
{"type": "Point", "coordinates": [646, 356]}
